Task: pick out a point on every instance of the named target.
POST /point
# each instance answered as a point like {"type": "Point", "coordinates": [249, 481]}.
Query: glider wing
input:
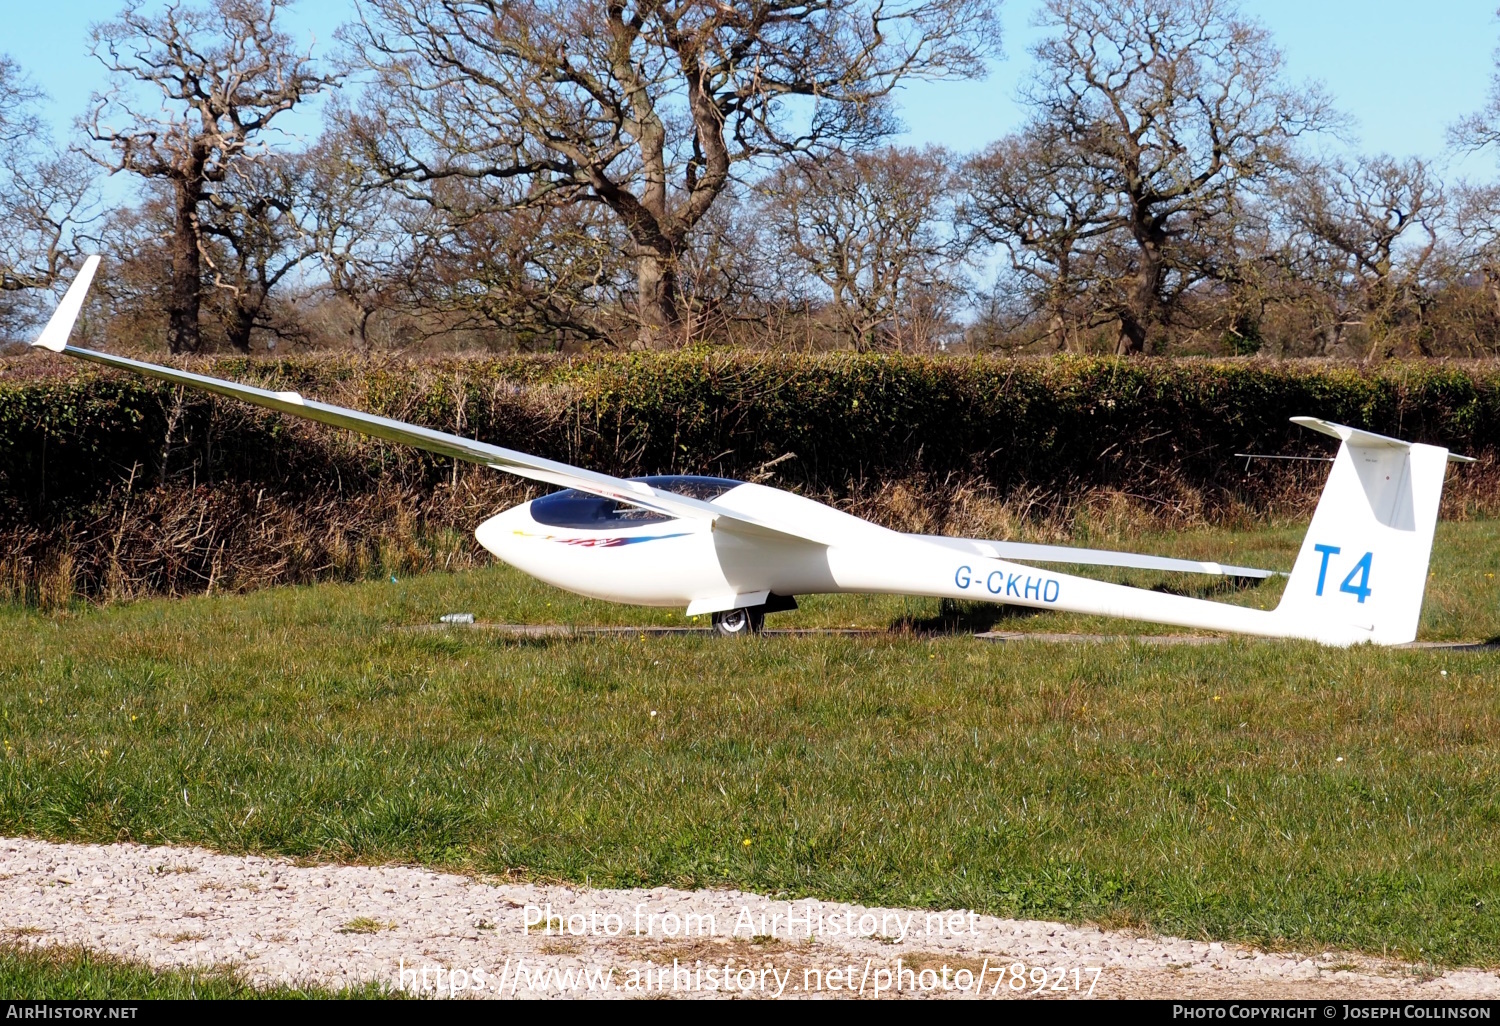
{"type": "Point", "coordinates": [1029, 553]}
{"type": "Point", "coordinates": [635, 493]}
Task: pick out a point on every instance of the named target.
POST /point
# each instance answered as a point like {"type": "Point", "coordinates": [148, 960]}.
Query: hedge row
{"type": "Point", "coordinates": [73, 441]}
{"type": "Point", "coordinates": [1050, 424]}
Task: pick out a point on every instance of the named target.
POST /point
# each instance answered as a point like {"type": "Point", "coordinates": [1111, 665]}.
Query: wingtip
{"type": "Point", "coordinates": [55, 335]}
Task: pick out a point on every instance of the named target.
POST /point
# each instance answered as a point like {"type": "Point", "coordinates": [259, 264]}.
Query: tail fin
{"type": "Point", "coordinates": [55, 335]}
{"type": "Point", "coordinates": [1362, 570]}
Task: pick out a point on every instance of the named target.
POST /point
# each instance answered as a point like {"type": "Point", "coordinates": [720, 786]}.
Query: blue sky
{"type": "Point", "coordinates": [1403, 70]}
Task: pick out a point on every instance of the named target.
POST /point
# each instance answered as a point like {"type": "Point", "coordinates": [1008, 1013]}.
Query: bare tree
{"type": "Point", "coordinates": [128, 292]}
{"type": "Point", "coordinates": [44, 198]}
{"type": "Point", "coordinates": [1030, 194]}
{"type": "Point", "coordinates": [1177, 104]}
{"type": "Point", "coordinates": [218, 76]}
{"type": "Point", "coordinates": [534, 276]}
{"type": "Point", "coordinates": [738, 282]}
{"type": "Point", "coordinates": [542, 276]}
{"type": "Point", "coordinates": [1482, 128]}
{"type": "Point", "coordinates": [369, 247]}
{"type": "Point", "coordinates": [642, 107]}
{"type": "Point", "coordinates": [1475, 219]}
{"type": "Point", "coordinates": [870, 227]}
{"type": "Point", "coordinates": [1247, 274]}
{"type": "Point", "coordinates": [1368, 230]}
{"type": "Point", "coordinates": [256, 217]}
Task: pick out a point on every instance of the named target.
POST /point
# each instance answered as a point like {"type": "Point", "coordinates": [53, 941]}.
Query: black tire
{"type": "Point", "coordinates": [737, 623]}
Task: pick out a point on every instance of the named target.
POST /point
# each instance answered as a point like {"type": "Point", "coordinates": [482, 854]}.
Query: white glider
{"type": "Point", "coordinates": [738, 550]}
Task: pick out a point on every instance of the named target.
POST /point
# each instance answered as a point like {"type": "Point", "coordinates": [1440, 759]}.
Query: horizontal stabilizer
{"type": "Point", "coordinates": [1362, 439]}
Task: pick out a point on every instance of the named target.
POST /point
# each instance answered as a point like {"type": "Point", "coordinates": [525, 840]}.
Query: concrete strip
{"type": "Point", "coordinates": [1103, 639]}
{"type": "Point", "coordinates": [333, 926]}
{"type": "Point", "coordinates": [521, 630]}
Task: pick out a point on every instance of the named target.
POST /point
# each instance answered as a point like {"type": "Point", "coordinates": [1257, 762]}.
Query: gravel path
{"type": "Point", "coordinates": [407, 927]}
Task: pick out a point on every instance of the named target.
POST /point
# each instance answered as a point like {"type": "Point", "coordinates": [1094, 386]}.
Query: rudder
{"type": "Point", "coordinates": [1362, 571]}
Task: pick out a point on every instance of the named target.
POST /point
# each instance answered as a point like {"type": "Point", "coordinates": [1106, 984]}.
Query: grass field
{"type": "Point", "coordinates": [1279, 793]}
{"type": "Point", "coordinates": [72, 975]}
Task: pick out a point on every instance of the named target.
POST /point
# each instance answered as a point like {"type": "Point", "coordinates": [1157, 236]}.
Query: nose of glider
{"type": "Point", "coordinates": [498, 533]}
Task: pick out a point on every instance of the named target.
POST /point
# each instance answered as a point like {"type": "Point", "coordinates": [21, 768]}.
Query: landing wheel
{"type": "Point", "coordinates": [736, 623]}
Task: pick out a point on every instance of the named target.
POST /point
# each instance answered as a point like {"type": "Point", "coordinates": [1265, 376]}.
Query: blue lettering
{"type": "Point", "coordinates": [1010, 585]}
{"type": "Point", "coordinates": [1362, 588]}
{"type": "Point", "coordinates": [1327, 550]}
{"type": "Point", "coordinates": [1051, 591]}
{"type": "Point", "coordinates": [961, 577]}
{"type": "Point", "coordinates": [1037, 587]}
{"type": "Point", "coordinates": [992, 584]}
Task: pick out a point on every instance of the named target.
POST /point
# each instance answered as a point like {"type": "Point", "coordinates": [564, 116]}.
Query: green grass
{"type": "Point", "coordinates": [1276, 793]}
{"type": "Point", "coordinates": [70, 974]}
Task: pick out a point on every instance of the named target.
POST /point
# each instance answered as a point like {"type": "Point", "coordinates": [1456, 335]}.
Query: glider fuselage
{"type": "Point", "coordinates": [602, 549]}
{"type": "Point", "coordinates": [608, 550]}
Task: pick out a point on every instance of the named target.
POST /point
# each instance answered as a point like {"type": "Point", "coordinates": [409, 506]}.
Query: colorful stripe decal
{"type": "Point", "coordinates": [611, 542]}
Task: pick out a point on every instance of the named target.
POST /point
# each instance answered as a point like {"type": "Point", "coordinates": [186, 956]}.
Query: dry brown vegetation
{"type": "Point", "coordinates": [112, 488]}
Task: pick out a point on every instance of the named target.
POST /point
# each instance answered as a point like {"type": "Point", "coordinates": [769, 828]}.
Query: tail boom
{"type": "Point", "coordinates": [1360, 575]}
{"type": "Point", "coordinates": [938, 572]}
